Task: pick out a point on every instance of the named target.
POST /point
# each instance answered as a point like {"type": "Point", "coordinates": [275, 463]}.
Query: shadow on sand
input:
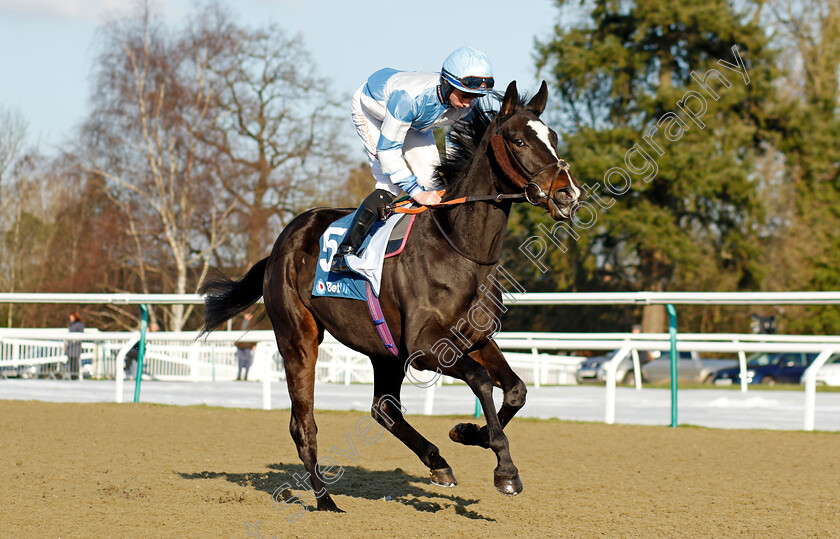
{"type": "Point", "coordinates": [355, 482]}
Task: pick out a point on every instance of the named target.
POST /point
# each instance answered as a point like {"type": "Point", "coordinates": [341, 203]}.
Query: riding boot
{"type": "Point", "coordinates": [363, 220]}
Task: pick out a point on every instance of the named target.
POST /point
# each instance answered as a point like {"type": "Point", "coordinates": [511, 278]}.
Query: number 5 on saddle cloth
{"type": "Point", "coordinates": [385, 239]}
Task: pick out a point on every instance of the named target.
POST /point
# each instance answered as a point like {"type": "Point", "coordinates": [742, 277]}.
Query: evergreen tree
{"type": "Point", "coordinates": [664, 109]}
{"type": "Point", "coordinates": [806, 250]}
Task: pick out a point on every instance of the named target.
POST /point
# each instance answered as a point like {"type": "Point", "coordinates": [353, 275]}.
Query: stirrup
{"type": "Point", "coordinates": [339, 263]}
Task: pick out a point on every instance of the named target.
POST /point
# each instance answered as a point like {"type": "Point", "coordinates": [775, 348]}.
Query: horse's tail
{"type": "Point", "coordinates": [224, 298]}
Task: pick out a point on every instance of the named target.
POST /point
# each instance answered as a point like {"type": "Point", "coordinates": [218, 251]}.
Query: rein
{"type": "Point", "coordinates": [459, 251]}
{"type": "Point", "coordinates": [386, 210]}
{"type": "Point", "coordinates": [520, 175]}
{"type": "Point", "coordinates": [399, 207]}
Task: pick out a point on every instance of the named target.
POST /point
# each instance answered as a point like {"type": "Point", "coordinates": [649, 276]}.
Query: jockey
{"type": "Point", "coordinates": [395, 113]}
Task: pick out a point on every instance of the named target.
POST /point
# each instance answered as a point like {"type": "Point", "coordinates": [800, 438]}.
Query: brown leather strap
{"type": "Point", "coordinates": [501, 153]}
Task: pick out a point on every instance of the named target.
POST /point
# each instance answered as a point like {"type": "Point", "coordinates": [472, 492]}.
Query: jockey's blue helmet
{"type": "Point", "coordinates": [468, 70]}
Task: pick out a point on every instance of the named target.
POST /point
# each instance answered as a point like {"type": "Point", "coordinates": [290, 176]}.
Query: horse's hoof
{"type": "Point", "coordinates": [443, 477]}
{"type": "Point", "coordinates": [327, 504]}
{"type": "Point", "coordinates": [509, 486]}
{"type": "Point", "coordinates": [467, 434]}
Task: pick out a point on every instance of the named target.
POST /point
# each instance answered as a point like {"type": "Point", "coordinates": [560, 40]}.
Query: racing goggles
{"type": "Point", "coordinates": [478, 84]}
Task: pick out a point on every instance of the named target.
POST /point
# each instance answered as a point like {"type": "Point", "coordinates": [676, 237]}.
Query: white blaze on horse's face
{"type": "Point", "coordinates": [542, 132]}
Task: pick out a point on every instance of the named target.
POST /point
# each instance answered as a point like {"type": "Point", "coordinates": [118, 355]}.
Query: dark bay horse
{"type": "Point", "coordinates": [431, 294]}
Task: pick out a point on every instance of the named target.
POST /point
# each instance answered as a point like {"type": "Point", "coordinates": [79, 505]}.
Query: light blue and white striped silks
{"type": "Point", "coordinates": [395, 113]}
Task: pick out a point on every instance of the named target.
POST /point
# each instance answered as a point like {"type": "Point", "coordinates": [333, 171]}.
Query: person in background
{"type": "Point", "coordinates": [73, 349]}
{"type": "Point", "coordinates": [244, 351]}
{"type": "Point", "coordinates": [133, 355]}
{"type": "Point", "coordinates": [644, 355]}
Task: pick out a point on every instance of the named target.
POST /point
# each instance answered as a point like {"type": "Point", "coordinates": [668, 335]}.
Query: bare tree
{"type": "Point", "coordinates": [56, 228]}
{"type": "Point", "coordinates": [274, 144]}
{"type": "Point", "coordinates": [27, 212]}
{"type": "Point", "coordinates": [151, 101]}
{"type": "Point", "coordinates": [210, 138]}
{"type": "Point", "coordinates": [13, 129]}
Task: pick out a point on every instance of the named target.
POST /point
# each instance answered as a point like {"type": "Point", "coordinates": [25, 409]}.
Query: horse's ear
{"type": "Point", "coordinates": [510, 100]}
{"type": "Point", "coordinates": [537, 103]}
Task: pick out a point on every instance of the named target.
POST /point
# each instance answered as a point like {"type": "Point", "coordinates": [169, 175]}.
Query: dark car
{"type": "Point", "coordinates": [769, 369]}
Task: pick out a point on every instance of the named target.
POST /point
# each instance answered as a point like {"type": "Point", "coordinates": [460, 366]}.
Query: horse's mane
{"type": "Point", "coordinates": [464, 138]}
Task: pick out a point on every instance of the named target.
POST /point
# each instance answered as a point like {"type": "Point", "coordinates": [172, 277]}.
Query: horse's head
{"type": "Point", "coordinates": [525, 149]}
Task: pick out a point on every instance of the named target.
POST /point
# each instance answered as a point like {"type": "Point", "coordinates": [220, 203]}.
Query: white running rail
{"type": "Point", "coordinates": [180, 356]}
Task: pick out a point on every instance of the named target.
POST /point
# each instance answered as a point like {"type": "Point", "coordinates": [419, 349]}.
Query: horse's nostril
{"type": "Point", "coordinates": [564, 195]}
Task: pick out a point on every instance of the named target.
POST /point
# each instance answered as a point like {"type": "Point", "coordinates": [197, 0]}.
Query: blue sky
{"type": "Point", "coordinates": [48, 45]}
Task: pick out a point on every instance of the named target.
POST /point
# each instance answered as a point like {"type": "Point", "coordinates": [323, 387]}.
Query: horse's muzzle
{"type": "Point", "coordinates": [563, 203]}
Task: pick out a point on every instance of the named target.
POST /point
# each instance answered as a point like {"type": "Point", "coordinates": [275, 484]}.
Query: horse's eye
{"type": "Point", "coordinates": [519, 142]}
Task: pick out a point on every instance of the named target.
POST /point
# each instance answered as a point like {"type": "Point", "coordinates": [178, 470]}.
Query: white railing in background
{"type": "Point", "coordinates": [352, 370]}
{"type": "Point", "coordinates": [824, 348]}
{"type": "Point", "coordinates": [181, 356]}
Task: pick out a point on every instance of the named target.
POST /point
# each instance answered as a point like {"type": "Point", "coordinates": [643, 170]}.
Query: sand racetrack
{"type": "Point", "coordinates": [125, 470]}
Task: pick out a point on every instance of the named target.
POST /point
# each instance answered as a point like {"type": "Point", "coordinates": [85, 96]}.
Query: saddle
{"type": "Point", "coordinates": [399, 236]}
{"type": "Point", "coordinates": [386, 239]}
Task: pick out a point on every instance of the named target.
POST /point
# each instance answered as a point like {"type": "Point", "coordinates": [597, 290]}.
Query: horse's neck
{"type": "Point", "coordinates": [480, 226]}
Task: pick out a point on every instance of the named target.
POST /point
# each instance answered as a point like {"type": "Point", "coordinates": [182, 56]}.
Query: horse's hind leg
{"type": "Point", "coordinates": [387, 410]}
{"type": "Point", "coordinates": [514, 396]}
{"type": "Point", "coordinates": [299, 349]}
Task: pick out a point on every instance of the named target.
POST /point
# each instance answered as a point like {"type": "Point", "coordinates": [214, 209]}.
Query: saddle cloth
{"type": "Point", "coordinates": [385, 239]}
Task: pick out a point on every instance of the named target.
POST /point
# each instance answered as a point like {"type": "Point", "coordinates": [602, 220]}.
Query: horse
{"type": "Point", "coordinates": [496, 158]}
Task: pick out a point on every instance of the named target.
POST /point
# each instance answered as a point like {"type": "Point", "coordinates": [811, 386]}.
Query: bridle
{"type": "Point", "coordinates": [520, 174]}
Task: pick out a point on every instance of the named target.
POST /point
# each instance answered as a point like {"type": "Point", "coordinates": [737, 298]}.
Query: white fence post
{"type": "Point", "coordinates": [612, 365]}
{"type": "Point", "coordinates": [742, 366]}
{"type": "Point", "coordinates": [347, 364]}
{"type": "Point", "coordinates": [119, 364]}
{"type": "Point", "coordinates": [429, 401]}
{"type": "Point", "coordinates": [96, 361]}
{"type": "Point", "coordinates": [119, 376]}
{"type": "Point", "coordinates": [265, 356]}
{"type": "Point", "coordinates": [537, 373]}
{"type": "Point", "coordinates": [637, 370]}
{"type": "Point", "coordinates": [192, 356]}
{"type": "Point", "coordinates": [810, 377]}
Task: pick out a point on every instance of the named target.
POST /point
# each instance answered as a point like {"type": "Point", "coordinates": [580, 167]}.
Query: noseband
{"type": "Point", "coordinates": [517, 172]}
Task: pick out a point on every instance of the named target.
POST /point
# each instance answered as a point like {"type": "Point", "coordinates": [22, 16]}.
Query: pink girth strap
{"type": "Point", "coordinates": [379, 321]}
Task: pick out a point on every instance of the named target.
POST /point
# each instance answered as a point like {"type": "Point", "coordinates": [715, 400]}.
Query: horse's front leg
{"type": "Point", "coordinates": [506, 475]}
{"type": "Point", "coordinates": [514, 396]}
